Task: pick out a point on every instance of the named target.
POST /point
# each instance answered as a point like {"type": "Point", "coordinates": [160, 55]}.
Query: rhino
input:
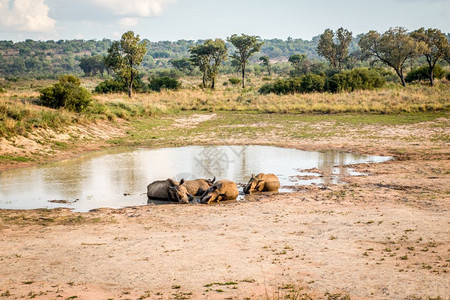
{"type": "Point", "coordinates": [221, 190]}
{"type": "Point", "coordinates": [185, 191]}
{"type": "Point", "coordinates": [262, 183]}
{"type": "Point", "coordinates": [158, 190]}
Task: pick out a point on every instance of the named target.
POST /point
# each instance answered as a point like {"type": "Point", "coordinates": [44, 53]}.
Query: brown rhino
{"type": "Point", "coordinates": [221, 190]}
{"type": "Point", "coordinates": [262, 183]}
{"type": "Point", "coordinates": [185, 191]}
{"type": "Point", "coordinates": [158, 190]}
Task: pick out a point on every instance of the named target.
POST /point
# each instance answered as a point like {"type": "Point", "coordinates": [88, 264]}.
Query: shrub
{"type": "Point", "coordinates": [234, 80]}
{"type": "Point", "coordinates": [355, 79]}
{"type": "Point", "coordinates": [2, 90]}
{"type": "Point", "coordinates": [66, 93]}
{"type": "Point", "coordinates": [312, 83]}
{"type": "Point", "coordinates": [118, 86]}
{"type": "Point", "coordinates": [421, 74]}
{"type": "Point", "coordinates": [110, 86]}
{"type": "Point", "coordinates": [447, 76]}
{"type": "Point", "coordinates": [350, 80]}
{"type": "Point", "coordinates": [304, 84]}
{"type": "Point", "coordinates": [159, 83]}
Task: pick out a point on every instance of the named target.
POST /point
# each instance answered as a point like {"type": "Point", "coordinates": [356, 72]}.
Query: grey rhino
{"type": "Point", "coordinates": [221, 190]}
{"type": "Point", "coordinates": [185, 191]}
{"type": "Point", "coordinates": [262, 183]}
{"type": "Point", "coordinates": [159, 190]}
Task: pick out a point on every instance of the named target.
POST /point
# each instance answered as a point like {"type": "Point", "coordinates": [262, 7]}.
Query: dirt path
{"type": "Point", "coordinates": [383, 236]}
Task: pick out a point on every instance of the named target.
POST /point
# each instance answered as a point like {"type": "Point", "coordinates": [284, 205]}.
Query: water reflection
{"type": "Point", "coordinates": [119, 178]}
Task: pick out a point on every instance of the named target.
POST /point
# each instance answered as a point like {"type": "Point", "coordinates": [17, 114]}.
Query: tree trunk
{"type": "Point", "coordinates": [243, 75]}
{"type": "Point", "coordinates": [431, 76]}
{"type": "Point", "coordinates": [400, 74]}
{"type": "Point", "coordinates": [213, 82]}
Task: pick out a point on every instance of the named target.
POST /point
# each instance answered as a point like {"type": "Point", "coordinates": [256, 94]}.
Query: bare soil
{"type": "Point", "coordinates": [381, 236]}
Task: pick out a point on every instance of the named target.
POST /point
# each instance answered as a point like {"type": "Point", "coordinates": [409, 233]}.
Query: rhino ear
{"type": "Point", "coordinates": [253, 175]}
{"type": "Point", "coordinates": [214, 179]}
{"type": "Point", "coordinates": [181, 181]}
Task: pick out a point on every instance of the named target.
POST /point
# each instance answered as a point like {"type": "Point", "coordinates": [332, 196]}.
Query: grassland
{"type": "Point", "coordinates": [337, 242]}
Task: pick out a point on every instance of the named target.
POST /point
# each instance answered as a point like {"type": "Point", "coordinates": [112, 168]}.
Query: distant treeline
{"type": "Point", "coordinates": [53, 58]}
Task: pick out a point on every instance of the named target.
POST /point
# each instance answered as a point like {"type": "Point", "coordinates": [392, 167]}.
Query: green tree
{"type": "Point", "coordinates": [246, 46]}
{"type": "Point", "coordinates": [300, 63]}
{"type": "Point", "coordinates": [67, 93]}
{"type": "Point", "coordinates": [334, 46]}
{"type": "Point", "coordinates": [182, 64]}
{"type": "Point", "coordinates": [125, 56]}
{"type": "Point", "coordinates": [208, 57]}
{"type": "Point", "coordinates": [92, 65]}
{"type": "Point", "coordinates": [265, 62]}
{"type": "Point", "coordinates": [433, 45]}
{"type": "Point", "coordinates": [392, 48]}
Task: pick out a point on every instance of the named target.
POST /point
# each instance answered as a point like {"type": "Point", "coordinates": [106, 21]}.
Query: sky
{"type": "Point", "coordinates": [159, 20]}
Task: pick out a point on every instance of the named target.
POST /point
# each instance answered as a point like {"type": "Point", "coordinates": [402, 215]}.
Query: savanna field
{"type": "Point", "coordinates": [371, 221]}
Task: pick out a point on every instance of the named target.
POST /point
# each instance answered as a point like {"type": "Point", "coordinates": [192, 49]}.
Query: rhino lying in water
{"type": "Point", "coordinates": [221, 190]}
{"type": "Point", "coordinates": [159, 190]}
{"type": "Point", "coordinates": [185, 191]}
{"type": "Point", "coordinates": [262, 183]}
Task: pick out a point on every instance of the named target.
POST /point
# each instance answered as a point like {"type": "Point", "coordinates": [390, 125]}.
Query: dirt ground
{"type": "Point", "coordinates": [381, 236]}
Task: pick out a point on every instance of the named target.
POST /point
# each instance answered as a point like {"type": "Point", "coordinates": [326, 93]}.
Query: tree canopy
{"type": "Point", "coordinates": [392, 48]}
{"type": "Point", "coordinates": [246, 46]}
{"type": "Point", "coordinates": [433, 45]}
{"type": "Point", "coordinates": [125, 56]}
{"type": "Point", "coordinates": [208, 57]}
{"type": "Point", "coordinates": [334, 46]}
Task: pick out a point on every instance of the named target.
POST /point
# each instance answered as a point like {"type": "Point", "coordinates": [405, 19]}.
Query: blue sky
{"type": "Point", "coordinates": [200, 19]}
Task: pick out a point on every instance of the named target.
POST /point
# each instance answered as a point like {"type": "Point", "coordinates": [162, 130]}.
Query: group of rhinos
{"type": "Point", "coordinates": [208, 191]}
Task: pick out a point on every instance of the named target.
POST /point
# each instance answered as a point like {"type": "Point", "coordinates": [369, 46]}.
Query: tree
{"type": "Point", "coordinates": [125, 56]}
{"type": "Point", "coordinates": [433, 45]}
{"type": "Point", "coordinates": [300, 63]}
{"type": "Point", "coordinates": [92, 65]}
{"type": "Point", "coordinates": [182, 64]}
{"type": "Point", "coordinates": [67, 93]}
{"type": "Point", "coordinates": [265, 62]}
{"type": "Point", "coordinates": [208, 57]}
{"type": "Point", "coordinates": [392, 48]}
{"type": "Point", "coordinates": [334, 46]}
{"type": "Point", "coordinates": [246, 46]}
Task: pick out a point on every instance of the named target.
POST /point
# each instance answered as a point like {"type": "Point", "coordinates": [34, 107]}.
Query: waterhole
{"type": "Point", "coordinates": [119, 178]}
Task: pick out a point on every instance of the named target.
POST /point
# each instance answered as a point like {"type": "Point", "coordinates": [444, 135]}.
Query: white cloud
{"type": "Point", "coordinates": [139, 8]}
{"type": "Point", "coordinates": [26, 15]}
{"type": "Point", "coordinates": [128, 22]}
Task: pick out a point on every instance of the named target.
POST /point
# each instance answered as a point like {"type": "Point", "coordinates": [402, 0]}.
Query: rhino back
{"type": "Point", "coordinates": [229, 189]}
{"type": "Point", "coordinates": [158, 190]}
{"type": "Point", "coordinates": [196, 187]}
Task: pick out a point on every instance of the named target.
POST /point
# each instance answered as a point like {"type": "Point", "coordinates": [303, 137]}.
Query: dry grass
{"type": "Point", "coordinates": [18, 114]}
{"type": "Point", "coordinates": [395, 100]}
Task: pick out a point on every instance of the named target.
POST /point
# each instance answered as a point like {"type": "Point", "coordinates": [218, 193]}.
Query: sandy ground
{"type": "Point", "coordinates": [382, 236]}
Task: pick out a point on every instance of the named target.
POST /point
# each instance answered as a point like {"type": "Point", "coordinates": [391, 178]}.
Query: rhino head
{"type": "Point", "coordinates": [255, 184]}
{"type": "Point", "coordinates": [179, 193]}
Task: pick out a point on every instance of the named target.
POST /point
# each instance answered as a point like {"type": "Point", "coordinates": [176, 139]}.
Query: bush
{"type": "Point", "coordinates": [448, 76]}
{"type": "Point", "coordinates": [421, 74]}
{"type": "Point", "coordinates": [118, 86]}
{"type": "Point", "coordinates": [67, 93]}
{"type": "Point", "coordinates": [234, 80]}
{"type": "Point", "coordinates": [304, 84]}
{"type": "Point", "coordinates": [2, 90]}
{"type": "Point", "coordinates": [159, 83]}
{"type": "Point", "coordinates": [110, 86]}
{"type": "Point", "coordinates": [349, 80]}
{"type": "Point", "coordinates": [355, 79]}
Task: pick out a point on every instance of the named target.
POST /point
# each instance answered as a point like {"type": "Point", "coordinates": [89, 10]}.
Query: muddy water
{"type": "Point", "coordinates": [119, 178]}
